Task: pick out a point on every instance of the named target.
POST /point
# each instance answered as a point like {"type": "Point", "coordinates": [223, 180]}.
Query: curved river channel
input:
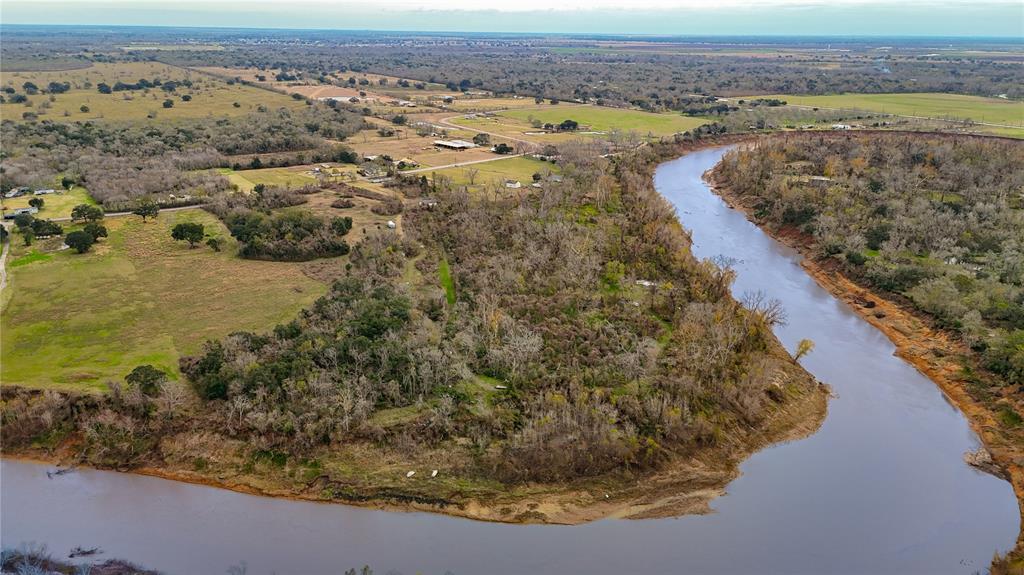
{"type": "Point", "coordinates": [881, 488]}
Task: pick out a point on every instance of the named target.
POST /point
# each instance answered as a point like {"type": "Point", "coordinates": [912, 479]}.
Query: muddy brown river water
{"type": "Point", "coordinates": [881, 488]}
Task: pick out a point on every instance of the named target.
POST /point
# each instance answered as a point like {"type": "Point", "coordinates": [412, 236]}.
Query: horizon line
{"type": "Point", "coordinates": [1014, 39]}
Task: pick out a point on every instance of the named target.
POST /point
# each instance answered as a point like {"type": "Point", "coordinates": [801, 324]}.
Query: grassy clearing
{"type": "Point", "coordinates": [520, 169]}
{"type": "Point", "coordinates": [211, 97]}
{"type": "Point", "coordinates": [519, 129]}
{"type": "Point", "coordinates": [490, 104]}
{"type": "Point", "coordinates": [246, 180]}
{"type": "Point", "coordinates": [444, 273]}
{"type": "Point", "coordinates": [602, 119]}
{"type": "Point", "coordinates": [30, 257]}
{"type": "Point", "coordinates": [55, 206]}
{"type": "Point", "coordinates": [76, 321]}
{"type": "Point", "coordinates": [418, 148]}
{"type": "Point", "coordinates": [943, 106]}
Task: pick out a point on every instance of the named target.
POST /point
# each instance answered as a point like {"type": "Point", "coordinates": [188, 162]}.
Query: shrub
{"type": "Point", "coordinates": [190, 232]}
{"type": "Point", "coordinates": [80, 241]}
{"type": "Point", "coordinates": [95, 230]}
{"type": "Point", "coordinates": [147, 379]}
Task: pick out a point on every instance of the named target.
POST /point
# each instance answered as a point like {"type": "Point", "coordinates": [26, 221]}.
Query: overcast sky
{"type": "Point", "coordinates": [806, 17]}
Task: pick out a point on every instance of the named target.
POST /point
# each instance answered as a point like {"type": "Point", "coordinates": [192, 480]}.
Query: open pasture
{"type": "Point", "coordinates": [514, 128]}
{"type": "Point", "coordinates": [420, 148]}
{"type": "Point", "coordinates": [75, 321]}
{"type": "Point", "coordinates": [520, 169]}
{"type": "Point", "coordinates": [291, 177]}
{"type": "Point", "coordinates": [605, 119]}
{"type": "Point", "coordinates": [209, 97]}
{"type": "Point", "coordinates": [55, 206]}
{"type": "Point", "coordinates": [489, 104]}
{"type": "Point", "coordinates": [942, 106]}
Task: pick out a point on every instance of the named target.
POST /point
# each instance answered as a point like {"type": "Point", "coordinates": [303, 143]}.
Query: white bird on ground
{"type": "Point", "coordinates": [410, 474]}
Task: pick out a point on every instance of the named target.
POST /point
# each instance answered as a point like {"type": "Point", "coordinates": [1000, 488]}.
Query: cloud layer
{"type": "Point", "coordinates": [702, 17]}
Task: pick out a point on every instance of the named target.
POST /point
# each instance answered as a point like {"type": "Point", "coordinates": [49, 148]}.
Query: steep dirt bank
{"type": "Point", "coordinates": [937, 353]}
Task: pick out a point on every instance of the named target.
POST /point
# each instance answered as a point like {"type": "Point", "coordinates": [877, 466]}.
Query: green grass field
{"type": "Point", "coordinates": [521, 169]}
{"type": "Point", "coordinates": [602, 119]}
{"type": "Point", "coordinates": [246, 180]}
{"type": "Point", "coordinates": [943, 106]}
{"type": "Point", "coordinates": [77, 321]}
{"type": "Point", "coordinates": [444, 274]}
{"type": "Point", "coordinates": [211, 97]}
{"type": "Point", "coordinates": [55, 205]}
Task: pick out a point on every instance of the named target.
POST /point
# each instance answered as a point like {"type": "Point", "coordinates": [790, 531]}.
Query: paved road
{"type": "Point", "coordinates": [7, 244]}
{"type": "Point", "coordinates": [459, 164]}
{"type": "Point", "coordinates": [3, 258]}
{"type": "Point", "coordinates": [119, 214]}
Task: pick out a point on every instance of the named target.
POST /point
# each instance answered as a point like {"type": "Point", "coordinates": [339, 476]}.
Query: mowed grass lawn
{"type": "Point", "coordinates": [521, 169]}
{"type": "Point", "coordinates": [603, 119]}
{"type": "Point", "coordinates": [246, 180]}
{"type": "Point", "coordinates": [944, 106]}
{"type": "Point", "coordinates": [77, 321]}
{"type": "Point", "coordinates": [54, 205]}
{"type": "Point", "coordinates": [211, 97]}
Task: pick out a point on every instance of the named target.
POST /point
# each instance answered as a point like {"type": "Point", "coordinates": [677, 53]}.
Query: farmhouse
{"type": "Point", "coordinates": [454, 144]}
{"type": "Point", "coordinates": [513, 184]}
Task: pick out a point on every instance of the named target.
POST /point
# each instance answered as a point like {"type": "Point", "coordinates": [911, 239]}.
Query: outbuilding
{"type": "Point", "coordinates": [454, 144]}
{"type": "Point", "coordinates": [15, 213]}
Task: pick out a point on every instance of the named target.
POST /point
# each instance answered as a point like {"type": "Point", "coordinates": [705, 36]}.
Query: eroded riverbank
{"type": "Point", "coordinates": [683, 486]}
{"type": "Point", "coordinates": [935, 352]}
{"type": "Point", "coordinates": [880, 488]}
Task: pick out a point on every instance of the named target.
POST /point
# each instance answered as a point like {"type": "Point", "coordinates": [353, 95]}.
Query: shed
{"type": "Point", "coordinates": [454, 144]}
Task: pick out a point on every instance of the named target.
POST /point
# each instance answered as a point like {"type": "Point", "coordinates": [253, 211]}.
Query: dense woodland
{"type": "Point", "coordinates": [542, 359]}
{"type": "Point", "coordinates": [122, 163]}
{"type": "Point", "coordinates": [668, 73]}
{"type": "Point", "coordinates": [292, 235]}
{"type": "Point", "coordinates": [939, 220]}
{"type": "Point", "coordinates": [649, 81]}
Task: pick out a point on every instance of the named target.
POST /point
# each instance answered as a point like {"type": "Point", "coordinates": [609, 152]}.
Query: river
{"type": "Point", "coordinates": [881, 488]}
